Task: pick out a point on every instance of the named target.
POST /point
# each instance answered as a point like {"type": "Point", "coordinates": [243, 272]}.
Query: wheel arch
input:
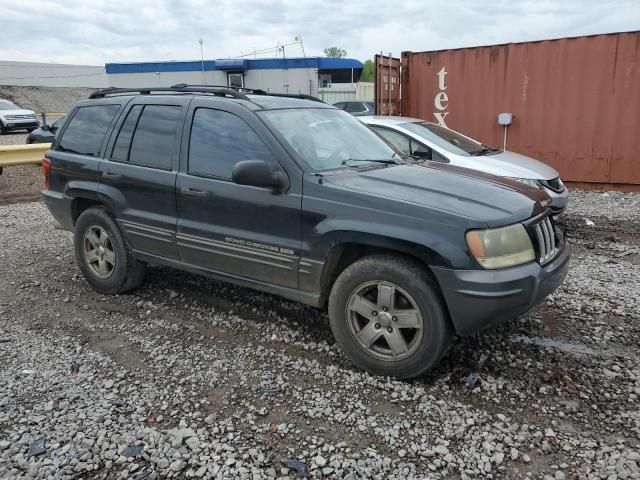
{"type": "Point", "coordinates": [346, 247]}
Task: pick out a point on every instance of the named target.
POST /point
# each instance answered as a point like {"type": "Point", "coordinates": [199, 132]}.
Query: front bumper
{"type": "Point", "coordinates": [11, 125]}
{"type": "Point", "coordinates": [558, 200]}
{"type": "Point", "coordinates": [480, 299]}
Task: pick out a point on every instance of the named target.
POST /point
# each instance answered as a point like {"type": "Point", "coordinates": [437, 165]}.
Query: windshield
{"type": "Point", "coordinates": [450, 140]}
{"type": "Point", "coordinates": [328, 138]}
{"type": "Point", "coordinates": [6, 105]}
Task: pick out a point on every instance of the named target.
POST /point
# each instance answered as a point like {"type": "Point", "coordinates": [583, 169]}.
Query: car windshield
{"type": "Point", "coordinates": [329, 138]}
{"type": "Point", "coordinates": [6, 105]}
{"type": "Point", "coordinates": [450, 140]}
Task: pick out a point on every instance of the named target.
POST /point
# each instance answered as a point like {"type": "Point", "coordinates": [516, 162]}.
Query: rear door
{"type": "Point", "coordinates": [238, 230]}
{"type": "Point", "coordinates": [138, 174]}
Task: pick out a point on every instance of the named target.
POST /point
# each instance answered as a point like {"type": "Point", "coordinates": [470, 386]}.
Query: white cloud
{"type": "Point", "coordinates": [100, 31]}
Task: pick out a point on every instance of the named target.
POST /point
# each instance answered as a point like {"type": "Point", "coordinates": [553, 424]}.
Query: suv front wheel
{"type": "Point", "coordinates": [388, 318]}
{"type": "Point", "coordinates": [103, 254]}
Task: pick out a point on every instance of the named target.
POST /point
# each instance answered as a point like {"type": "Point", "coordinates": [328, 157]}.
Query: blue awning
{"type": "Point", "coordinates": [232, 65]}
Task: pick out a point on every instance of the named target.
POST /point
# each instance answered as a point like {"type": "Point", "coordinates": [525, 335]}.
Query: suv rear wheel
{"type": "Point", "coordinates": [388, 318]}
{"type": "Point", "coordinates": [103, 255]}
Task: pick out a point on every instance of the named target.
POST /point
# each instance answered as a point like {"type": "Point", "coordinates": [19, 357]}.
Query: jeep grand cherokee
{"type": "Point", "coordinates": [288, 195]}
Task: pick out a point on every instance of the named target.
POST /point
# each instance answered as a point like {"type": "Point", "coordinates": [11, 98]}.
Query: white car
{"type": "Point", "coordinates": [431, 141]}
{"type": "Point", "coordinates": [13, 117]}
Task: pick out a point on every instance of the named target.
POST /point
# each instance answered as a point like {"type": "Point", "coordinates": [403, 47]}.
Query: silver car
{"type": "Point", "coordinates": [431, 141]}
{"type": "Point", "coordinates": [13, 117]}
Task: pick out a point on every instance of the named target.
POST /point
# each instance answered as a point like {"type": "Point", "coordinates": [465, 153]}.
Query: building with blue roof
{"type": "Point", "coordinates": [308, 75]}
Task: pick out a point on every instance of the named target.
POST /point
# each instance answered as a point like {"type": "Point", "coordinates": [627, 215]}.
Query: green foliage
{"type": "Point", "coordinates": [335, 52]}
{"type": "Point", "coordinates": [367, 71]}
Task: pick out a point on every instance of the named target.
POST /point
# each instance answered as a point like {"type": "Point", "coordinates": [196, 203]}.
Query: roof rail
{"type": "Point", "coordinates": [253, 91]}
{"type": "Point", "coordinates": [219, 90]}
{"type": "Point", "coordinates": [181, 88]}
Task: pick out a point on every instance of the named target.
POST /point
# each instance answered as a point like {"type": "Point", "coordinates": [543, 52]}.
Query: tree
{"type": "Point", "coordinates": [367, 71]}
{"type": "Point", "coordinates": [335, 52]}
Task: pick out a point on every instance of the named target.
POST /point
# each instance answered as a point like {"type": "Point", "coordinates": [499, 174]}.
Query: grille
{"type": "Point", "coordinates": [546, 240]}
{"type": "Point", "coordinates": [553, 184]}
{"type": "Point", "coordinates": [21, 117]}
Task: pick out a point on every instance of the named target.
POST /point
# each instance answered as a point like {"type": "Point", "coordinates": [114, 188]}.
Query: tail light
{"type": "Point", "coordinates": [46, 172]}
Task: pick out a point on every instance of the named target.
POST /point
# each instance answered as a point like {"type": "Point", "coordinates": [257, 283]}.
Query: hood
{"type": "Point", "coordinates": [508, 164]}
{"type": "Point", "coordinates": [19, 111]}
{"type": "Point", "coordinates": [485, 199]}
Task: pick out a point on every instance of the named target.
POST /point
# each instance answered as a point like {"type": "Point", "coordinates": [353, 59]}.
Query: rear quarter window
{"type": "Point", "coordinates": [87, 128]}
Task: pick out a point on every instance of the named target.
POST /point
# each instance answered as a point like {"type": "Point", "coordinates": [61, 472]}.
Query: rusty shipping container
{"type": "Point", "coordinates": [575, 101]}
{"type": "Point", "coordinates": [387, 92]}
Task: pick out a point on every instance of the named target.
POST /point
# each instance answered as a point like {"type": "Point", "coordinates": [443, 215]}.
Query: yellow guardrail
{"type": "Point", "coordinates": [11, 155]}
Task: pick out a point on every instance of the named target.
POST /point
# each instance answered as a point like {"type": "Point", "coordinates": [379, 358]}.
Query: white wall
{"type": "Point", "coordinates": [52, 75]}
{"type": "Point", "coordinates": [298, 80]}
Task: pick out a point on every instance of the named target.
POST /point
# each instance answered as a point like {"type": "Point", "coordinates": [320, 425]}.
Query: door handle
{"type": "Point", "coordinates": [111, 176]}
{"type": "Point", "coordinates": [193, 192]}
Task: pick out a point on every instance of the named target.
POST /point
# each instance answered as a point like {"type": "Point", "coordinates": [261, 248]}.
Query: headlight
{"type": "Point", "coordinates": [501, 247]}
{"type": "Point", "coordinates": [529, 181]}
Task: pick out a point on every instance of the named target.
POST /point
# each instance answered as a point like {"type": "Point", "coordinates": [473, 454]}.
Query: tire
{"type": "Point", "coordinates": [410, 296]}
{"type": "Point", "coordinates": [119, 271]}
{"type": "Point", "coordinates": [3, 129]}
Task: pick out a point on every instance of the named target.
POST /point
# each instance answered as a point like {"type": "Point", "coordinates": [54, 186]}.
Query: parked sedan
{"type": "Point", "coordinates": [13, 118]}
{"type": "Point", "coordinates": [431, 141]}
{"type": "Point", "coordinates": [46, 133]}
{"type": "Point", "coordinates": [357, 108]}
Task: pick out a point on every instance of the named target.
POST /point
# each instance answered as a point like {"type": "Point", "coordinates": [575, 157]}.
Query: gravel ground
{"type": "Point", "coordinates": [188, 377]}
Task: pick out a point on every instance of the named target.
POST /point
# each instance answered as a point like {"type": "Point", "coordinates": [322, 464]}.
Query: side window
{"type": "Point", "coordinates": [396, 139]}
{"type": "Point", "coordinates": [438, 158]}
{"type": "Point", "coordinates": [339, 105]}
{"type": "Point", "coordinates": [420, 150]}
{"type": "Point", "coordinates": [219, 140]}
{"type": "Point", "coordinates": [123, 142]}
{"type": "Point", "coordinates": [87, 129]}
{"type": "Point", "coordinates": [155, 136]}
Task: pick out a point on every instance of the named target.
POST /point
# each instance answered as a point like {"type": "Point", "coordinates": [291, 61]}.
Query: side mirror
{"type": "Point", "coordinates": [422, 154]}
{"type": "Point", "coordinates": [257, 173]}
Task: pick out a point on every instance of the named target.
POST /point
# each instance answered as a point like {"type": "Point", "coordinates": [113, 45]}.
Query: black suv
{"type": "Point", "coordinates": [295, 197]}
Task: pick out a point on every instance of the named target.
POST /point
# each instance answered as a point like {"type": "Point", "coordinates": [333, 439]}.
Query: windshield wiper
{"type": "Point", "coordinates": [375, 160]}
{"type": "Point", "coordinates": [483, 151]}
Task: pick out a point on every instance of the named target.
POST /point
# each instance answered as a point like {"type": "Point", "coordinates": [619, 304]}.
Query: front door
{"type": "Point", "coordinates": [237, 230]}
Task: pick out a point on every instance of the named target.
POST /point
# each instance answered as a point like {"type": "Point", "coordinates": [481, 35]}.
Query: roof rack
{"type": "Point", "coordinates": [181, 88]}
{"type": "Point", "coordinates": [219, 90]}
{"type": "Point", "coordinates": [252, 91]}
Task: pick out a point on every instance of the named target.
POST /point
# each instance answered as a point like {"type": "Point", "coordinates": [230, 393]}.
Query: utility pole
{"type": "Point", "coordinates": [201, 41]}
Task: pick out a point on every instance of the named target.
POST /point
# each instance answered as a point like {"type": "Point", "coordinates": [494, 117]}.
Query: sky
{"type": "Point", "coordinates": [96, 32]}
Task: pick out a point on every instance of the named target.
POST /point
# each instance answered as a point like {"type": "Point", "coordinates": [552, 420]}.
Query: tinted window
{"type": "Point", "coordinates": [396, 139]}
{"type": "Point", "coordinates": [155, 136]}
{"type": "Point", "coordinates": [87, 129]}
{"type": "Point", "coordinates": [121, 148]}
{"type": "Point", "coordinates": [219, 140]}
